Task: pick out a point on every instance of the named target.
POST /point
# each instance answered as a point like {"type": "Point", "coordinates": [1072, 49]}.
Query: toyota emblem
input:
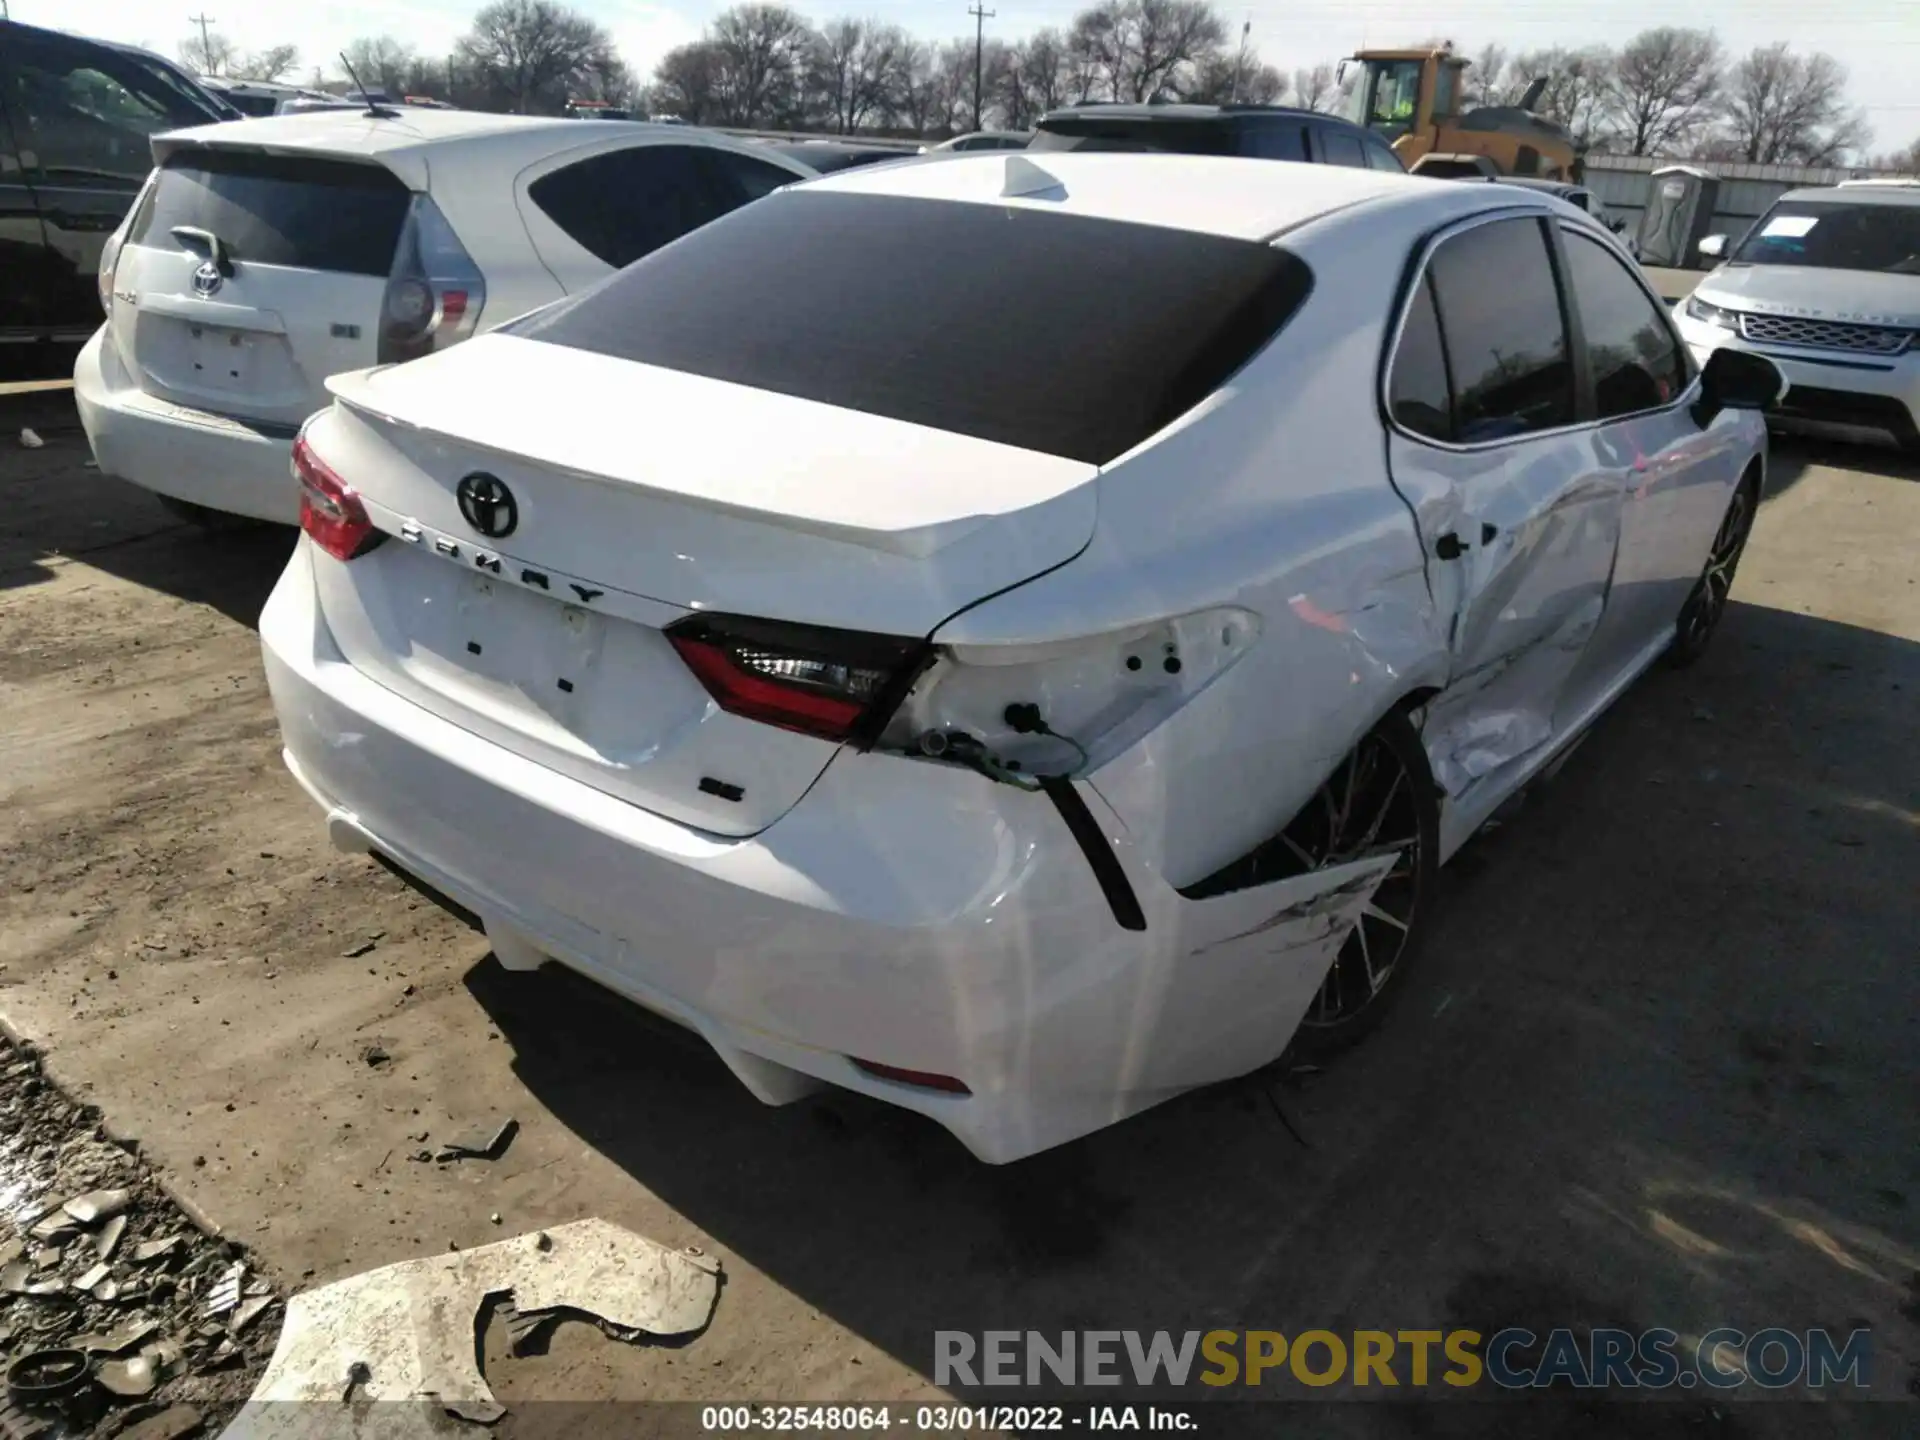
{"type": "Point", "coordinates": [206, 279]}
{"type": "Point", "coordinates": [488, 505]}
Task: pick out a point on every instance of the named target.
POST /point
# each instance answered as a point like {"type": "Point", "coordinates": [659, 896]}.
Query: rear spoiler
{"type": "Point", "coordinates": [407, 162]}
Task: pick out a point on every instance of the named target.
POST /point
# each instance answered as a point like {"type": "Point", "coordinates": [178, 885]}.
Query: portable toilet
{"type": "Point", "coordinates": [1679, 215]}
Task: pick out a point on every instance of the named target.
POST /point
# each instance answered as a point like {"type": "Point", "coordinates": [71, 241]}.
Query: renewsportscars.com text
{"type": "Point", "coordinates": [1514, 1358]}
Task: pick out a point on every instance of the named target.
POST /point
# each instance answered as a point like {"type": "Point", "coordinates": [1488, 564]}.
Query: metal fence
{"type": "Point", "coordinates": [1622, 183]}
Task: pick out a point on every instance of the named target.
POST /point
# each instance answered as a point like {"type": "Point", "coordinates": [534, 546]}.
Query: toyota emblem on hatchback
{"type": "Point", "coordinates": [488, 505]}
{"type": "Point", "coordinates": [207, 278]}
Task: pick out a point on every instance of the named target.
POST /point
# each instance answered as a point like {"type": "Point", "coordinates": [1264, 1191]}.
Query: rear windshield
{"type": "Point", "coordinates": [1836, 236]}
{"type": "Point", "coordinates": [1178, 137]}
{"type": "Point", "coordinates": [310, 214]}
{"type": "Point", "coordinates": [1058, 333]}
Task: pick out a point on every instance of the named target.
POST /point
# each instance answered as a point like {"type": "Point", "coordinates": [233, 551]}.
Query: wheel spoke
{"type": "Point", "coordinates": [1366, 958]}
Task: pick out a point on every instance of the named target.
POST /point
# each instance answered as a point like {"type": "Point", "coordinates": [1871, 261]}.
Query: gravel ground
{"type": "Point", "coordinates": [96, 1256]}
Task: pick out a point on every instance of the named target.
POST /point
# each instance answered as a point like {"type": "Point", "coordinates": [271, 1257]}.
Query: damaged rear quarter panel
{"type": "Point", "coordinates": [1273, 496]}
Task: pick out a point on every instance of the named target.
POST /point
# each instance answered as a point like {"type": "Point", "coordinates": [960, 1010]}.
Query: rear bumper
{"type": "Point", "coordinates": [904, 913]}
{"type": "Point", "coordinates": [1856, 391]}
{"type": "Point", "coordinates": [190, 455]}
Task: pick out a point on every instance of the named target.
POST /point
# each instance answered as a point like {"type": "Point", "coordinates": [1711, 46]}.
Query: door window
{"type": "Point", "coordinates": [1506, 341]}
{"type": "Point", "coordinates": [1417, 388]}
{"type": "Point", "coordinates": [623, 204]}
{"type": "Point", "coordinates": [86, 112]}
{"type": "Point", "coordinates": [1273, 142]}
{"type": "Point", "coordinates": [1631, 349]}
{"type": "Point", "coordinates": [1339, 148]}
{"type": "Point", "coordinates": [1380, 156]}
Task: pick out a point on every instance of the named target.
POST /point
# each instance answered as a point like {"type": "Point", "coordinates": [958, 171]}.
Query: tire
{"type": "Point", "coordinates": [214, 522]}
{"type": "Point", "coordinates": [1700, 617]}
{"type": "Point", "coordinates": [1390, 766]}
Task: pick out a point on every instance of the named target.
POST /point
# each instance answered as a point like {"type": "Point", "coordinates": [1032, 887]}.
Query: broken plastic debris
{"type": "Point", "coordinates": [118, 1341]}
{"type": "Point", "coordinates": [129, 1379]}
{"type": "Point", "coordinates": [249, 1311]}
{"type": "Point", "coordinates": [14, 1276]}
{"type": "Point", "coordinates": [173, 1423]}
{"type": "Point", "coordinates": [30, 439]}
{"type": "Point", "coordinates": [226, 1291]}
{"type": "Point", "coordinates": [57, 1226]}
{"type": "Point", "coordinates": [91, 1278]}
{"type": "Point", "coordinates": [482, 1142]}
{"type": "Point", "coordinates": [108, 1239]}
{"type": "Point", "coordinates": [406, 1331]}
{"type": "Point", "coordinates": [150, 1250]}
{"type": "Point", "coordinates": [97, 1205]}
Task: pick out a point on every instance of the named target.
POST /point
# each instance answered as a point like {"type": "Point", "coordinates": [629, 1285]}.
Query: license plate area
{"type": "Point", "coordinates": [518, 644]}
{"type": "Point", "coordinates": [219, 358]}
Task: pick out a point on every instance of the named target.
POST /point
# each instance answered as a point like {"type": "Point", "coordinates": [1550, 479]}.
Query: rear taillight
{"type": "Point", "coordinates": [435, 292]}
{"type": "Point", "coordinates": [835, 684]}
{"type": "Point", "coordinates": [924, 1079]}
{"type": "Point", "coordinates": [330, 510]}
{"type": "Point", "coordinates": [110, 251]}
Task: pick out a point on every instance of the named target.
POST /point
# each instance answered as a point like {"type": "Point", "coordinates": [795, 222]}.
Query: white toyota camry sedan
{"type": "Point", "coordinates": [1017, 641]}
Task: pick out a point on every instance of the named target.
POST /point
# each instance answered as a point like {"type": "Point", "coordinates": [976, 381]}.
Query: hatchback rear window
{"type": "Point", "coordinates": [1064, 334]}
{"type": "Point", "coordinates": [307, 213]}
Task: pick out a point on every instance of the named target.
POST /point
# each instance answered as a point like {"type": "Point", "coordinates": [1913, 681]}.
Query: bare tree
{"type": "Point", "coordinates": [848, 70]}
{"type": "Point", "coordinates": [379, 62]}
{"type": "Point", "coordinates": [1576, 90]}
{"type": "Point", "coordinates": [1147, 48]}
{"type": "Point", "coordinates": [687, 82]}
{"type": "Point", "coordinates": [205, 53]}
{"type": "Point", "coordinates": [1035, 79]}
{"type": "Point", "coordinates": [1906, 162]}
{"type": "Point", "coordinates": [1662, 89]}
{"type": "Point", "coordinates": [1316, 88]}
{"type": "Point", "coordinates": [764, 50]}
{"type": "Point", "coordinates": [1226, 76]}
{"type": "Point", "coordinates": [1782, 108]}
{"type": "Point", "coordinates": [1482, 82]}
{"type": "Point", "coordinates": [272, 64]}
{"type": "Point", "coordinates": [527, 53]}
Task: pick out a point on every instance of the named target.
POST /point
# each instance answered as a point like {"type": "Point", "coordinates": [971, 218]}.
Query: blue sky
{"type": "Point", "coordinates": [1877, 40]}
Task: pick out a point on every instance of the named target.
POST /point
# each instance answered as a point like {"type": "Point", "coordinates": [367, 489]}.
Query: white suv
{"type": "Point", "coordinates": [1827, 286]}
{"type": "Point", "coordinates": [265, 255]}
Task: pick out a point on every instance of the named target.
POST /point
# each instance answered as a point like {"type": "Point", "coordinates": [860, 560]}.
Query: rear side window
{"type": "Point", "coordinates": [1339, 148]}
{"type": "Point", "coordinates": [1064, 334]}
{"type": "Point", "coordinates": [1506, 341]}
{"type": "Point", "coordinates": [1631, 349]}
{"type": "Point", "coordinates": [1418, 390]}
{"type": "Point", "coordinates": [1274, 142]}
{"type": "Point", "coordinates": [624, 204]}
{"type": "Point", "coordinates": [306, 213]}
{"type": "Point", "coordinates": [742, 178]}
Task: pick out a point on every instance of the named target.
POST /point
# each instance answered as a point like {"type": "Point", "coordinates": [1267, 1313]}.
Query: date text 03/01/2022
{"type": "Point", "coordinates": [964, 1419]}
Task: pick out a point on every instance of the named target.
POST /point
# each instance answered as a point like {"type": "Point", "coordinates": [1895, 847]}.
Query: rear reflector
{"type": "Point", "coordinates": [330, 509]}
{"type": "Point", "coordinates": [833, 684]}
{"type": "Point", "coordinates": [925, 1079]}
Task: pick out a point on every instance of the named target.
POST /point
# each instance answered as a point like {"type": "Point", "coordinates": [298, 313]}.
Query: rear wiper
{"type": "Point", "coordinates": [193, 237]}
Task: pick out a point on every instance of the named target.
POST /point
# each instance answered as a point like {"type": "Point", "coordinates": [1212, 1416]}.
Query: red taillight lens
{"type": "Point", "coordinates": [330, 511]}
{"type": "Point", "coordinates": [833, 684]}
{"type": "Point", "coordinates": [925, 1079]}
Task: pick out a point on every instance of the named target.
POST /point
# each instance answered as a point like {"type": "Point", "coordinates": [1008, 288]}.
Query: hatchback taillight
{"type": "Point", "coordinates": [835, 684]}
{"type": "Point", "coordinates": [435, 293]}
{"type": "Point", "coordinates": [330, 509]}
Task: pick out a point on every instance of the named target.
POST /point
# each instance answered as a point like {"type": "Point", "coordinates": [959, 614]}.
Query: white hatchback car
{"type": "Point", "coordinates": [1013, 641]}
{"type": "Point", "coordinates": [265, 255]}
{"type": "Point", "coordinates": [1827, 285]}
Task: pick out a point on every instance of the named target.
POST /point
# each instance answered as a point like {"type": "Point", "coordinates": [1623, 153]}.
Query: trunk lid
{"type": "Point", "coordinates": [306, 247]}
{"type": "Point", "coordinates": [642, 495]}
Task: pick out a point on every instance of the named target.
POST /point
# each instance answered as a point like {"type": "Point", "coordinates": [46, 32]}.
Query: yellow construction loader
{"type": "Point", "coordinates": [1414, 99]}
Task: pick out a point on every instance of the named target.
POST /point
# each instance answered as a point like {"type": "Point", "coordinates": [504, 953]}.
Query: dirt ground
{"type": "Point", "coordinates": [1658, 1067]}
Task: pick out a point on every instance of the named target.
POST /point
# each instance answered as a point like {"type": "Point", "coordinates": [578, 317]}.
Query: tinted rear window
{"type": "Point", "coordinates": [1177, 136]}
{"type": "Point", "coordinates": [310, 214]}
{"type": "Point", "coordinates": [1057, 333]}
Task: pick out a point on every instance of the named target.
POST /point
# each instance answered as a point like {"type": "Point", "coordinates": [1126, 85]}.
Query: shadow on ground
{"type": "Point", "coordinates": [1793, 456]}
{"type": "Point", "coordinates": [54, 504]}
{"type": "Point", "coordinates": [1657, 1070]}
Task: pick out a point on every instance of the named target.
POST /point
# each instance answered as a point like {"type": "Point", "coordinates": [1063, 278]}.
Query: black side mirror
{"type": "Point", "coordinates": [1737, 380]}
